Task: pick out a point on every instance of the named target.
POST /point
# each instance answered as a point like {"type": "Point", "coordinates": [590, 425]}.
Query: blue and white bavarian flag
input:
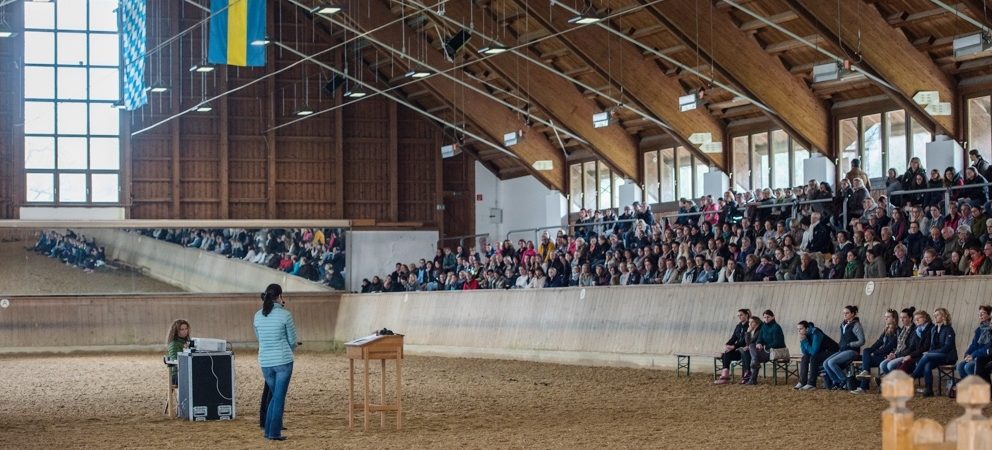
{"type": "Point", "coordinates": [132, 16]}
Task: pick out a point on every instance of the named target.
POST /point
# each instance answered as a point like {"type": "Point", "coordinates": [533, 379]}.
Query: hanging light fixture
{"type": "Point", "coordinates": [417, 73]}
{"type": "Point", "coordinates": [326, 9]}
{"type": "Point", "coordinates": [201, 68]}
{"type": "Point", "coordinates": [585, 19]}
{"type": "Point", "coordinates": [355, 93]}
{"type": "Point", "coordinates": [261, 42]}
{"type": "Point", "coordinates": [204, 108]}
{"type": "Point", "coordinates": [494, 49]}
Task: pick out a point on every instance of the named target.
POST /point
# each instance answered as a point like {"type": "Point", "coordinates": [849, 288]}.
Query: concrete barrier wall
{"type": "Point", "coordinates": [639, 326]}
{"type": "Point", "coordinates": [195, 270]}
{"type": "Point", "coordinates": [78, 322]}
{"type": "Point", "coordinates": [624, 326]}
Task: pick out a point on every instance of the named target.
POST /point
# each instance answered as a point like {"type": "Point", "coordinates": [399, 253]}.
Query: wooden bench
{"type": "Point", "coordinates": [945, 373]}
{"type": "Point", "coordinates": [684, 361]}
{"type": "Point", "coordinates": [788, 366]}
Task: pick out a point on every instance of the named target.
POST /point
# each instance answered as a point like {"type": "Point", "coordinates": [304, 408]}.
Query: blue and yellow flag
{"type": "Point", "coordinates": [234, 25]}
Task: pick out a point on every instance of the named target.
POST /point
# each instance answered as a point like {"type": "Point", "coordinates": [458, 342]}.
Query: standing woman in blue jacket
{"type": "Point", "coordinates": [276, 335]}
{"type": "Point", "coordinates": [852, 337]}
{"type": "Point", "coordinates": [942, 349]}
{"type": "Point", "coordinates": [980, 343]}
{"type": "Point", "coordinates": [816, 346]}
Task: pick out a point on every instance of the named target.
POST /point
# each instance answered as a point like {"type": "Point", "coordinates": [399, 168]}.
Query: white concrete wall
{"type": "Point", "coordinates": [526, 203]}
{"type": "Point", "coordinates": [371, 253]}
{"type": "Point", "coordinates": [195, 270]}
{"type": "Point", "coordinates": [71, 213]}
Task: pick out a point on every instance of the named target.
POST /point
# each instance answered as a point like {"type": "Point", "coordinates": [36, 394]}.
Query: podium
{"type": "Point", "coordinates": [367, 349]}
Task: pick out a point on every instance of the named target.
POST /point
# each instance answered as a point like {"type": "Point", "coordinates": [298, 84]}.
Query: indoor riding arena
{"type": "Point", "coordinates": [496, 224]}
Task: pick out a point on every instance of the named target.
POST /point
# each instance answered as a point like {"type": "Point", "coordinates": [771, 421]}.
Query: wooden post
{"type": "Point", "coordinates": [972, 395]}
{"type": "Point", "coordinates": [365, 398]}
{"type": "Point", "coordinates": [351, 392]}
{"type": "Point", "coordinates": [897, 388]}
{"type": "Point", "coordinates": [382, 393]}
{"type": "Point", "coordinates": [224, 148]}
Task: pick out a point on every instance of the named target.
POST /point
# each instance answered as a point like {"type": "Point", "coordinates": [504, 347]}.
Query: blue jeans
{"type": "Point", "coordinates": [888, 366]}
{"type": "Point", "coordinates": [924, 368]}
{"type": "Point", "coordinates": [277, 379]}
{"type": "Point", "coordinates": [966, 368]}
{"type": "Point", "coordinates": [867, 362]}
{"type": "Point", "coordinates": [836, 364]}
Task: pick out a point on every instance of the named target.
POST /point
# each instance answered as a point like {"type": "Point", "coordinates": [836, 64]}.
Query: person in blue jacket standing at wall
{"type": "Point", "coordinates": [276, 335]}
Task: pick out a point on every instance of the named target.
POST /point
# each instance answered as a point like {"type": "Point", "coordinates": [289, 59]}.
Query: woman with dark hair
{"type": "Point", "coordinates": [768, 345]}
{"type": "Point", "coordinates": [981, 342]}
{"type": "Point", "coordinates": [176, 340]}
{"type": "Point", "coordinates": [852, 337]}
{"type": "Point", "coordinates": [942, 350]}
{"type": "Point", "coordinates": [276, 333]}
{"type": "Point", "coordinates": [816, 346]}
{"type": "Point", "coordinates": [874, 355]}
{"type": "Point", "coordinates": [735, 346]}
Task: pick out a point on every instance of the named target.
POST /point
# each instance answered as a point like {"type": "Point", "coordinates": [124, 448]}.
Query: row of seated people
{"type": "Point", "coordinates": [72, 249]}
{"type": "Point", "coordinates": [912, 341]}
{"type": "Point", "coordinates": [738, 238]}
{"type": "Point", "coordinates": [315, 254]}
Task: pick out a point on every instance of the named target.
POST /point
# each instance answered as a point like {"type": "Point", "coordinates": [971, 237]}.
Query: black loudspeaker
{"type": "Point", "coordinates": [456, 42]}
{"type": "Point", "coordinates": [206, 386]}
{"type": "Point", "coordinates": [336, 82]}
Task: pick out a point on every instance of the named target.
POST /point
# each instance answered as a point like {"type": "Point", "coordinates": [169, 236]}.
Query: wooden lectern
{"type": "Point", "coordinates": [370, 348]}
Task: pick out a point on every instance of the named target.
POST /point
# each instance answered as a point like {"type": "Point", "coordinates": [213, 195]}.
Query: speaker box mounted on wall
{"type": "Point", "coordinates": [451, 46]}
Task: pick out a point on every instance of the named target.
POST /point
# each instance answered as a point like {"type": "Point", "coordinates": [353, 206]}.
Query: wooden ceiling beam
{"type": "Point", "coordinates": [755, 25]}
{"type": "Point", "coordinates": [555, 95]}
{"type": "Point", "coordinates": [491, 117]}
{"type": "Point", "coordinates": [644, 84]}
{"type": "Point", "coordinates": [979, 9]}
{"type": "Point", "coordinates": [746, 64]}
{"type": "Point", "coordinates": [888, 55]}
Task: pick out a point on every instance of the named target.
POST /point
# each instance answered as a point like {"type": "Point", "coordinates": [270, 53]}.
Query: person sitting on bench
{"type": "Point", "coordinates": [735, 346]}
{"type": "Point", "coordinates": [874, 355]}
{"type": "Point", "coordinates": [906, 339]}
{"type": "Point", "coordinates": [942, 350]}
{"type": "Point", "coordinates": [852, 337]}
{"type": "Point", "coordinates": [816, 347]}
{"type": "Point", "coordinates": [980, 343]}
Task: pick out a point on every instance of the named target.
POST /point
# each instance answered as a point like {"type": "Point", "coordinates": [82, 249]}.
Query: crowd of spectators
{"type": "Point", "coordinates": [72, 249]}
{"type": "Point", "coordinates": [316, 254]}
{"type": "Point", "coordinates": [765, 235]}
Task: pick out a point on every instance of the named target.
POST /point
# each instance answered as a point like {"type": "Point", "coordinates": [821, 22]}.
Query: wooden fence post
{"type": "Point", "coordinates": [897, 388]}
{"type": "Point", "coordinates": [972, 395]}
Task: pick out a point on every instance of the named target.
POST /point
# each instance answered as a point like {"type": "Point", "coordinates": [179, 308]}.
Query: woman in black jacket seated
{"type": "Point", "coordinates": [872, 356]}
{"type": "Point", "coordinates": [732, 349]}
{"type": "Point", "coordinates": [942, 350]}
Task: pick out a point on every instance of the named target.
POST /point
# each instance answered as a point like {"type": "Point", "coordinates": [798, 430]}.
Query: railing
{"type": "Point", "coordinates": [461, 239]}
{"type": "Point", "coordinates": [791, 204]}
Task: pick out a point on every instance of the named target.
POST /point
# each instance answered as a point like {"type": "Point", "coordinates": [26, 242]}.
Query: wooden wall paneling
{"type": "Point", "coordinates": [338, 149]}
{"type": "Point", "coordinates": [391, 163]}
{"type": "Point", "coordinates": [459, 195]}
{"type": "Point", "coordinates": [366, 141]}
{"type": "Point", "coordinates": [418, 155]}
{"type": "Point", "coordinates": [223, 146]}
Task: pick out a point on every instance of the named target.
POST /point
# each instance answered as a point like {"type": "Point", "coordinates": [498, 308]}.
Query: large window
{"type": "Point", "coordinates": [980, 125]}
{"type": "Point", "coordinates": [881, 141]}
{"type": "Point", "coordinates": [592, 185]}
{"type": "Point", "coordinates": [769, 159]}
{"type": "Point", "coordinates": [71, 82]}
{"type": "Point", "coordinates": [673, 170]}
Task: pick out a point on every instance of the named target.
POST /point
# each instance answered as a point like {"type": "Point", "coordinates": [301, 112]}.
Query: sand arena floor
{"type": "Point", "coordinates": [24, 272]}
{"type": "Point", "coordinates": [116, 401]}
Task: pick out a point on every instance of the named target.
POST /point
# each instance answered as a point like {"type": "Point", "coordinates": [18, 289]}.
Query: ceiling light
{"type": "Point", "coordinates": [493, 49]}
{"type": "Point", "coordinates": [826, 72]}
{"type": "Point", "coordinates": [971, 44]}
{"type": "Point", "coordinates": [157, 88]}
{"type": "Point", "coordinates": [306, 111]}
{"type": "Point", "coordinates": [204, 108]}
{"type": "Point", "coordinates": [688, 102]}
{"type": "Point", "coordinates": [355, 93]}
{"type": "Point", "coordinates": [202, 68]}
{"type": "Point", "coordinates": [601, 119]}
{"type": "Point", "coordinates": [261, 42]}
{"type": "Point", "coordinates": [417, 73]}
{"type": "Point", "coordinates": [584, 19]}
{"type": "Point", "coordinates": [510, 139]}
{"type": "Point", "coordinates": [117, 105]}
{"type": "Point", "coordinates": [326, 9]}
{"type": "Point", "coordinates": [7, 34]}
